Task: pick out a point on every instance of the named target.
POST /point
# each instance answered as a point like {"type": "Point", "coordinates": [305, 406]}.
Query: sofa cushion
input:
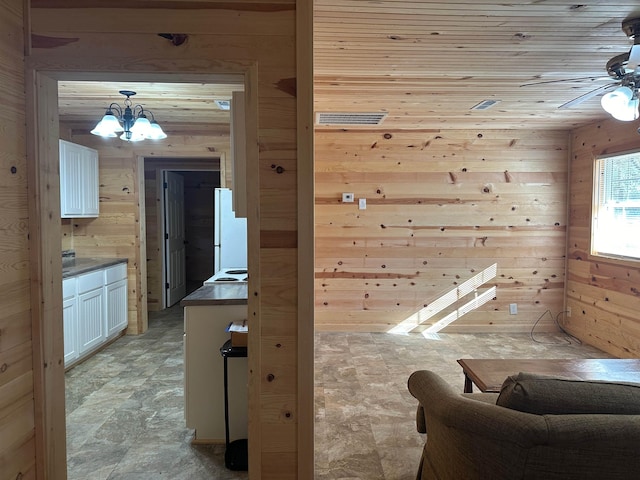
{"type": "Point", "coordinates": [541, 395]}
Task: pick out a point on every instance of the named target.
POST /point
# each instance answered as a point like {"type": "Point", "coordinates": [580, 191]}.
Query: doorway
{"type": "Point", "coordinates": [46, 254]}
{"type": "Point", "coordinates": [197, 226]}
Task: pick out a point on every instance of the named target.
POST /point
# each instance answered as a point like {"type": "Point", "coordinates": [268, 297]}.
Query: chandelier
{"type": "Point", "coordinates": [131, 121]}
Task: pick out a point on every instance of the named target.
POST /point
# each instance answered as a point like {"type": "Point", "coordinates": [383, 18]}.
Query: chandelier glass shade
{"type": "Point", "coordinates": [622, 103]}
{"type": "Point", "coordinates": [129, 123]}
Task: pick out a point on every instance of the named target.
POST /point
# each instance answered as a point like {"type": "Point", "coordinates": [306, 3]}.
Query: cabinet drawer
{"type": "Point", "coordinates": [115, 273]}
{"type": "Point", "coordinates": [90, 281]}
{"type": "Point", "coordinates": [68, 288]}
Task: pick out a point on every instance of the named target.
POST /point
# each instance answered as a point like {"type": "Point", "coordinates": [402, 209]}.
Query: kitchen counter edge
{"type": "Point", "coordinates": [217, 294]}
{"type": "Point", "coordinates": [85, 265]}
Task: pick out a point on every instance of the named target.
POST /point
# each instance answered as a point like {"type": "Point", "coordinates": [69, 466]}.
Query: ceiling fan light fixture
{"type": "Point", "coordinates": [622, 104]}
{"type": "Point", "coordinates": [628, 113]}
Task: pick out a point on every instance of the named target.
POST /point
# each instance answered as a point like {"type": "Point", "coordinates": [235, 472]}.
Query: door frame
{"type": "Point", "coordinates": [44, 219]}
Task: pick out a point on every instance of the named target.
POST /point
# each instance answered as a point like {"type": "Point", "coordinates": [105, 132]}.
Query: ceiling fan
{"type": "Point", "coordinates": [621, 94]}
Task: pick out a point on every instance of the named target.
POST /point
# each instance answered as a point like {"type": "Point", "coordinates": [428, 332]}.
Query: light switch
{"type": "Point", "coordinates": [362, 203]}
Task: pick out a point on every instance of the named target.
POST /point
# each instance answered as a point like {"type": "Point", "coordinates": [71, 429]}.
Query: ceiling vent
{"type": "Point", "coordinates": [375, 118]}
{"type": "Point", "coordinates": [485, 105]}
{"type": "Point", "coordinates": [223, 104]}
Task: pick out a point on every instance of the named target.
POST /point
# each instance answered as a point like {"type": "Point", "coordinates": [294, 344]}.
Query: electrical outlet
{"type": "Point", "coordinates": [513, 308]}
{"type": "Point", "coordinates": [347, 197]}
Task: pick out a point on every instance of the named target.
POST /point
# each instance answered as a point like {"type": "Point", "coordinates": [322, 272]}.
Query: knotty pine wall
{"type": "Point", "coordinates": [17, 442]}
{"type": "Point", "coordinates": [258, 38]}
{"type": "Point", "coordinates": [603, 295]}
{"type": "Point", "coordinates": [442, 206]}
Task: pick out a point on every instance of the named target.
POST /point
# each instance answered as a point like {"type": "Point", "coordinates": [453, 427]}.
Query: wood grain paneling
{"type": "Point", "coordinates": [426, 63]}
{"type": "Point", "coordinates": [441, 207]}
{"type": "Point", "coordinates": [17, 412]}
{"type": "Point", "coordinates": [602, 294]}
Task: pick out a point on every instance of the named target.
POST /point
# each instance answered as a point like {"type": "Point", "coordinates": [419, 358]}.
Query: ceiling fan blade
{"type": "Point", "coordinates": [634, 57]}
{"type": "Point", "coordinates": [593, 78]}
{"type": "Point", "coordinates": [588, 95]}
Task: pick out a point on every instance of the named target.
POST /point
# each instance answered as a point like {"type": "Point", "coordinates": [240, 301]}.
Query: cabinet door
{"type": "Point", "coordinates": [90, 319]}
{"type": "Point", "coordinates": [79, 183]}
{"type": "Point", "coordinates": [71, 180]}
{"type": "Point", "coordinates": [116, 307]}
{"type": "Point", "coordinates": [69, 318]}
{"type": "Point", "coordinates": [91, 194]}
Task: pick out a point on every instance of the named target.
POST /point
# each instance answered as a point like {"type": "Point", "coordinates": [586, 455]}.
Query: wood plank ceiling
{"type": "Point", "coordinates": [426, 63]}
{"type": "Point", "coordinates": [174, 105]}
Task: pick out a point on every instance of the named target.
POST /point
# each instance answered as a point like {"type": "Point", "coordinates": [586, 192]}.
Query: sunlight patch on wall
{"type": "Point", "coordinates": [477, 301]}
{"type": "Point", "coordinates": [454, 295]}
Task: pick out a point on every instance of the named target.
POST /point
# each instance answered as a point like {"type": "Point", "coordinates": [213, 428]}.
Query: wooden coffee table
{"type": "Point", "coordinates": [489, 374]}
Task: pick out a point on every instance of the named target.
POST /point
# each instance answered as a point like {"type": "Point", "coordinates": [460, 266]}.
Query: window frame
{"type": "Point", "coordinates": [596, 192]}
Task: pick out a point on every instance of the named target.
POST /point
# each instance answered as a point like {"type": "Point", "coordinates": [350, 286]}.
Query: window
{"type": "Point", "coordinates": [615, 229]}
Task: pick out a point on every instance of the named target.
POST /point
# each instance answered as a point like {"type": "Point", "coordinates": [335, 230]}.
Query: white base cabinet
{"type": "Point", "coordinates": [70, 320]}
{"type": "Point", "coordinates": [203, 367]}
{"type": "Point", "coordinates": [94, 310]}
{"type": "Point", "coordinates": [91, 331]}
{"type": "Point", "coordinates": [115, 292]}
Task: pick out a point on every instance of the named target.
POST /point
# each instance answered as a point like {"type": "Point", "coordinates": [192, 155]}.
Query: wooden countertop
{"type": "Point", "coordinates": [79, 265]}
{"type": "Point", "coordinates": [217, 294]}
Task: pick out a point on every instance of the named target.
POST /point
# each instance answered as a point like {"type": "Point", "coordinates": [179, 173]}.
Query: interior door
{"type": "Point", "coordinates": [174, 234]}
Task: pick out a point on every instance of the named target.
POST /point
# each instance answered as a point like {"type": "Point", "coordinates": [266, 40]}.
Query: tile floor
{"type": "Point", "coordinates": [125, 417]}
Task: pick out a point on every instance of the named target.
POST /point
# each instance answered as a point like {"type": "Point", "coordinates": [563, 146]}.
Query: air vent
{"type": "Point", "coordinates": [485, 104]}
{"type": "Point", "coordinates": [375, 118]}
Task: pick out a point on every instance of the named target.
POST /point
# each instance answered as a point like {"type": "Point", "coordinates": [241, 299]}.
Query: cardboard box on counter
{"type": "Point", "coordinates": [239, 333]}
{"type": "Point", "coordinates": [239, 339]}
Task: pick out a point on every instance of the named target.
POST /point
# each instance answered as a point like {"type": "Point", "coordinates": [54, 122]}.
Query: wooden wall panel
{"type": "Point", "coordinates": [602, 294]}
{"type": "Point", "coordinates": [441, 207]}
{"type": "Point", "coordinates": [154, 242]}
{"type": "Point", "coordinates": [17, 413]}
{"type": "Point", "coordinates": [231, 37]}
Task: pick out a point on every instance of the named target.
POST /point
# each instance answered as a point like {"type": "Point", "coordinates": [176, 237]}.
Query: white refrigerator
{"type": "Point", "coordinates": [229, 235]}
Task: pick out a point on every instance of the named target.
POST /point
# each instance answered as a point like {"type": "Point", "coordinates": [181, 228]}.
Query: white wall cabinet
{"type": "Point", "coordinates": [239, 154]}
{"type": "Point", "coordinates": [94, 310]}
{"type": "Point", "coordinates": [79, 183]}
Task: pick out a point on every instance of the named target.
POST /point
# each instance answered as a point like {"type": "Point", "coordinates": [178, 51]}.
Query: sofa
{"type": "Point", "coordinates": [537, 427]}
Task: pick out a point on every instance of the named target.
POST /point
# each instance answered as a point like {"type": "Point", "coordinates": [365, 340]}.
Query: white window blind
{"type": "Point", "coordinates": [616, 216]}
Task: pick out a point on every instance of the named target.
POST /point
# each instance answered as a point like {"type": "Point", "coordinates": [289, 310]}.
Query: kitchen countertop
{"type": "Point", "coordinates": [217, 294]}
{"type": "Point", "coordinates": [79, 265]}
